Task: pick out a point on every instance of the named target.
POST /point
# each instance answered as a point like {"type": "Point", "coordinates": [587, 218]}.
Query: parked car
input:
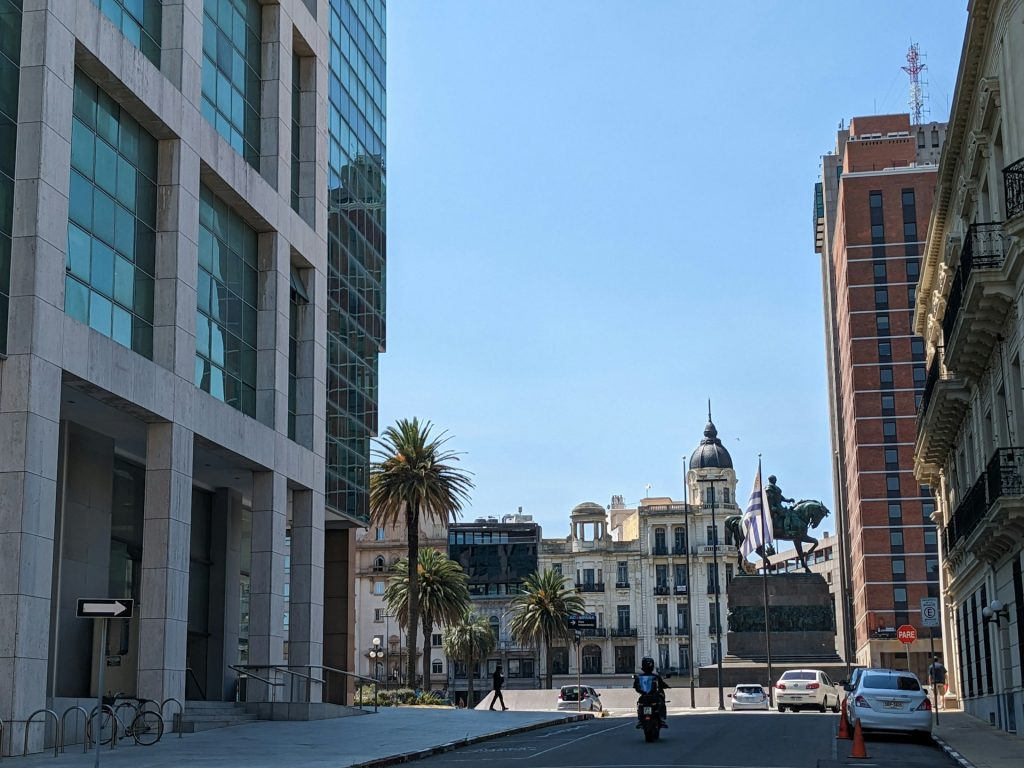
{"type": "Point", "coordinates": [569, 695]}
{"type": "Point", "coordinates": [749, 696]}
{"type": "Point", "coordinates": [890, 700]}
{"type": "Point", "coordinates": [804, 689]}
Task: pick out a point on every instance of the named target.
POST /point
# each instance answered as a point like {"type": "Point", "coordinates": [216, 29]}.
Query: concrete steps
{"type": "Point", "coordinates": [207, 715]}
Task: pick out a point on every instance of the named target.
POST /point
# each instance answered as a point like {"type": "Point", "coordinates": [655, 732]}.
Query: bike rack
{"type": "Point", "coordinates": [113, 726]}
{"type": "Point", "coordinates": [181, 714]}
{"type": "Point", "coordinates": [64, 727]}
{"type": "Point", "coordinates": [56, 728]}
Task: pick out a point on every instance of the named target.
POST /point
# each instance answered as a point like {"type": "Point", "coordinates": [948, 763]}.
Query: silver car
{"type": "Point", "coordinates": [749, 696]}
{"type": "Point", "coordinates": [890, 700]}
{"type": "Point", "coordinates": [806, 689]}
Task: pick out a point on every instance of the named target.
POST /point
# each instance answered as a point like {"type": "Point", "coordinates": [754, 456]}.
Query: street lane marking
{"type": "Point", "coordinates": [579, 738]}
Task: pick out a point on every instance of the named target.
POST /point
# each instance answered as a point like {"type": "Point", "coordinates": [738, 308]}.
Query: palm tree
{"type": "Point", "coordinates": [413, 477]}
{"type": "Point", "coordinates": [444, 595]}
{"type": "Point", "coordinates": [542, 611]}
{"type": "Point", "coordinates": [470, 639]}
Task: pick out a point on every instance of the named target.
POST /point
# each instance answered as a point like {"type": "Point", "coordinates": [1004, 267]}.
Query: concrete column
{"type": "Point", "coordinates": [272, 331]}
{"type": "Point", "coordinates": [166, 535]}
{"type": "Point", "coordinates": [339, 606]}
{"type": "Point", "coordinates": [276, 104]}
{"type": "Point", "coordinates": [266, 601]}
{"type": "Point", "coordinates": [225, 593]}
{"type": "Point", "coordinates": [182, 46]}
{"type": "Point", "coordinates": [30, 377]}
{"type": "Point", "coordinates": [306, 607]}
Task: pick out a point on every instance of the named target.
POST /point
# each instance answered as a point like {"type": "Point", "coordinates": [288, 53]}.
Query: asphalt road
{"type": "Point", "coordinates": [713, 740]}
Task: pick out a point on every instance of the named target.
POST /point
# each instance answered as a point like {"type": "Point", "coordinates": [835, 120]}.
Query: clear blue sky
{"type": "Point", "coordinates": [599, 216]}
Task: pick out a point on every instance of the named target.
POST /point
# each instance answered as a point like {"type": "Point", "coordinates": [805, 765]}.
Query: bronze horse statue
{"type": "Point", "coordinates": [791, 525]}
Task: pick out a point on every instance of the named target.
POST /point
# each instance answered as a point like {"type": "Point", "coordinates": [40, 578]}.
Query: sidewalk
{"type": "Point", "coordinates": [390, 736]}
{"type": "Point", "coordinates": [977, 742]}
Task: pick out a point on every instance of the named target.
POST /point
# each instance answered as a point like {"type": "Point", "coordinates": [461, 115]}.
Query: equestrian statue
{"type": "Point", "coordinates": [789, 523]}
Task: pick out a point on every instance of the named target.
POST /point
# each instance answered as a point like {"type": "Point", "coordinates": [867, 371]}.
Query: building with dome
{"type": "Point", "coordinates": [648, 573]}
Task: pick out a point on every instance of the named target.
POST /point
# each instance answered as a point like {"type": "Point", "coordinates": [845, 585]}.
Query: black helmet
{"type": "Point", "coordinates": [647, 665]}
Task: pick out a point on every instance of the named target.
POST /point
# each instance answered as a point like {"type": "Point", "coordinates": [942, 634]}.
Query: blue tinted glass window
{"type": "Point", "coordinates": [109, 266]}
{"type": "Point", "coordinates": [139, 21]}
{"type": "Point", "coordinates": [226, 304]}
{"type": "Point", "coordinates": [232, 33]}
{"type": "Point", "coordinates": [10, 58]}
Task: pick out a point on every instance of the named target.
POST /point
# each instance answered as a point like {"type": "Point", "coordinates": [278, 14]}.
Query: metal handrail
{"type": "Point", "coordinates": [244, 669]}
{"type": "Point", "coordinates": [195, 681]}
{"type": "Point", "coordinates": [309, 678]}
{"type": "Point", "coordinates": [56, 728]}
{"type": "Point", "coordinates": [64, 727]}
{"type": "Point", "coordinates": [353, 675]}
{"type": "Point", "coordinates": [181, 713]}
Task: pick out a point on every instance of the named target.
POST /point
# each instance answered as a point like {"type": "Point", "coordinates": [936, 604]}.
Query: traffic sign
{"type": "Point", "coordinates": [582, 621]}
{"type": "Point", "coordinates": [906, 634]}
{"type": "Point", "coordinates": [105, 608]}
{"type": "Point", "coordinates": [929, 611]}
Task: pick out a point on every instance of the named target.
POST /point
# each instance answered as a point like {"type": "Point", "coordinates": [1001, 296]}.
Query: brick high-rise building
{"type": "Point", "coordinates": [871, 215]}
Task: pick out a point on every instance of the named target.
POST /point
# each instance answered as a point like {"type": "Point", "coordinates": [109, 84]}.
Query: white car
{"type": "Point", "coordinates": [569, 696]}
{"type": "Point", "coordinates": [890, 700]}
{"type": "Point", "coordinates": [749, 696]}
{"type": "Point", "coordinates": [806, 688]}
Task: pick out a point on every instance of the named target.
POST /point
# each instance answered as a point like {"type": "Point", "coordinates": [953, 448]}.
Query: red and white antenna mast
{"type": "Point", "coordinates": [914, 68]}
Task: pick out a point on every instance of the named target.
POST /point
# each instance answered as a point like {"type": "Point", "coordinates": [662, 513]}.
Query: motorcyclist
{"type": "Point", "coordinates": [649, 681]}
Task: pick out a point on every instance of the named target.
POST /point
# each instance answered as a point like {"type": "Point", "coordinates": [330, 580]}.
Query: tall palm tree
{"type": "Point", "coordinates": [542, 612]}
{"type": "Point", "coordinates": [413, 477]}
{"type": "Point", "coordinates": [469, 639]}
{"type": "Point", "coordinates": [444, 596]}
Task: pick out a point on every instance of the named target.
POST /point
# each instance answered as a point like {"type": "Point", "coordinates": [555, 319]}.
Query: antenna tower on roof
{"type": "Point", "coordinates": [915, 66]}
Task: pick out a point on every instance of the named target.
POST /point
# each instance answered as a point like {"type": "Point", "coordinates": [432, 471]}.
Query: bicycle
{"type": "Point", "coordinates": [146, 726]}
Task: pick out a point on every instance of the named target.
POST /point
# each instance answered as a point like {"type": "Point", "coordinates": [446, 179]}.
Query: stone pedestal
{"type": "Point", "coordinates": [802, 624]}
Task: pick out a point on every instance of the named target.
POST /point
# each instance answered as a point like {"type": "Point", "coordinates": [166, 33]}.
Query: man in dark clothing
{"type": "Point", "coordinates": [937, 675]}
{"type": "Point", "coordinates": [498, 680]}
{"type": "Point", "coordinates": [649, 681]}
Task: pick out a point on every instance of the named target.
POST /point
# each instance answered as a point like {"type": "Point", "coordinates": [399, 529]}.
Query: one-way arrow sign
{"type": "Point", "coordinates": [105, 608]}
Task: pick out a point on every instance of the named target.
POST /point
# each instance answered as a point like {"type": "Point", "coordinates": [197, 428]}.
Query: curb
{"type": "Point", "coordinates": [419, 754]}
{"type": "Point", "coordinates": [953, 754]}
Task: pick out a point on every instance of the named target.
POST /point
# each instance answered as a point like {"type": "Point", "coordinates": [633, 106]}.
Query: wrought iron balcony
{"type": "Point", "coordinates": [679, 550]}
{"type": "Point", "coordinates": [682, 631]}
{"type": "Point", "coordinates": [968, 514]}
{"type": "Point", "coordinates": [1003, 477]}
{"type": "Point", "coordinates": [659, 551]}
{"type": "Point", "coordinates": [623, 632]}
{"type": "Point", "coordinates": [934, 372]}
{"type": "Point", "coordinates": [662, 631]}
{"type": "Point", "coordinates": [1013, 187]}
{"type": "Point", "coordinates": [984, 248]}
{"type": "Point", "coordinates": [953, 302]}
{"type": "Point", "coordinates": [622, 585]}
{"type": "Point", "coordinates": [680, 589]}
{"type": "Point", "coordinates": [594, 632]}
{"type": "Point", "coordinates": [590, 586]}
{"type": "Point", "coordinates": [661, 589]}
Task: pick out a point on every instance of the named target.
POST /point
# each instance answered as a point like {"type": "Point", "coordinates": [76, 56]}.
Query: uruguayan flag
{"type": "Point", "coordinates": [757, 523]}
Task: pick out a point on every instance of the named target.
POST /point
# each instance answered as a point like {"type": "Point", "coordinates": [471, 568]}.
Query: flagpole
{"type": "Point", "coordinates": [764, 579]}
{"type": "Point", "coordinates": [689, 606]}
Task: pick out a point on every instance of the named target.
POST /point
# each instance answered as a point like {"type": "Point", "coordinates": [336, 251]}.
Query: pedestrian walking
{"type": "Point", "coordinates": [498, 680]}
{"type": "Point", "coordinates": [937, 677]}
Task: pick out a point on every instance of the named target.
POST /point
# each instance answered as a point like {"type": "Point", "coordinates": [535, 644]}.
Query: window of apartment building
{"type": "Point", "coordinates": [875, 199]}
{"type": "Point", "coordinates": [378, 615]}
{"type": "Point", "coordinates": [591, 656]}
{"type": "Point", "coordinates": [682, 618]}
{"type": "Point", "coordinates": [557, 568]}
{"type": "Point", "coordinates": [885, 351]}
{"type": "Point", "coordinates": [927, 509]}
{"type": "Point", "coordinates": [297, 65]}
{"type": "Point", "coordinates": [111, 220]}
{"type": "Point", "coordinates": [917, 348]}
{"type": "Point", "coordinates": [622, 572]}
{"type": "Point", "coordinates": [139, 21]}
{"type": "Point", "coordinates": [920, 140]}
{"type": "Point", "coordinates": [226, 294]}
{"type": "Point", "coordinates": [895, 512]}
{"type": "Point", "coordinates": [920, 375]}
{"type": "Point", "coordinates": [882, 323]}
{"type": "Point", "coordinates": [930, 539]}
{"type": "Point", "coordinates": [298, 300]}
{"type": "Point", "coordinates": [495, 624]}
{"type": "Point", "coordinates": [917, 401]}
{"type": "Point", "coordinates": [888, 405]}
{"type": "Point", "coordinates": [892, 458]}
{"type": "Point", "coordinates": [232, 37]}
{"type": "Point", "coordinates": [881, 298]}
{"type": "Point", "coordinates": [712, 535]}
{"type": "Point", "coordinates": [715, 625]}
{"type": "Point", "coordinates": [712, 578]}
{"type": "Point", "coordinates": [680, 575]}
{"type": "Point", "coordinates": [663, 656]}
{"type": "Point", "coordinates": [880, 276]}
{"type": "Point", "coordinates": [931, 567]}
{"type": "Point", "coordinates": [935, 137]}
{"type": "Point", "coordinates": [885, 376]}
{"type": "Point", "coordinates": [661, 575]}
{"type": "Point", "coordinates": [725, 496]}
{"type": "Point", "coordinates": [899, 597]}
{"type": "Point", "coordinates": [910, 230]}
{"type": "Point", "coordinates": [560, 660]}
{"type": "Point", "coordinates": [588, 577]}
{"type": "Point", "coordinates": [378, 534]}
{"type": "Point", "coordinates": [662, 616]}
{"type": "Point", "coordinates": [436, 639]}
{"type": "Point", "coordinates": [684, 658]}
{"type": "Point", "coordinates": [623, 617]}
{"type": "Point", "coordinates": [896, 541]}
{"type": "Point", "coordinates": [913, 270]}
{"type": "Point", "coordinates": [436, 667]}
{"type": "Point", "coordinates": [889, 429]}
{"type": "Point", "coordinates": [877, 232]}
{"type": "Point", "coordinates": [892, 484]}
{"type": "Point", "coordinates": [378, 587]}
{"type": "Point", "coordinates": [10, 60]}
{"type": "Point", "coordinates": [679, 541]}
{"type": "Point", "coordinates": [899, 568]}
{"type": "Point", "coordinates": [714, 653]}
{"type": "Point", "coordinates": [378, 563]}
{"type": "Point", "coordinates": [625, 659]}
{"type": "Point", "coordinates": [911, 296]}
{"type": "Point", "coordinates": [659, 541]}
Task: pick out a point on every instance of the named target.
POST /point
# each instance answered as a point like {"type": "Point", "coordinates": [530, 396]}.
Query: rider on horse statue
{"type": "Point", "coordinates": [784, 521]}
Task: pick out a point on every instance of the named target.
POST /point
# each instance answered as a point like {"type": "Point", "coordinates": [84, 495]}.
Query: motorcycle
{"type": "Point", "coordinates": [648, 712]}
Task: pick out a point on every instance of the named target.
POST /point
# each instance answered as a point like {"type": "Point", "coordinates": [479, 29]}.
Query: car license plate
{"type": "Point", "coordinates": [648, 710]}
{"type": "Point", "coordinates": [894, 705]}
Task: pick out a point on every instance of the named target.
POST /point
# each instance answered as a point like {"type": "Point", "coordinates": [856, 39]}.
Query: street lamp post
{"type": "Point", "coordinates": [718, 594]}
{"type": "Point", "coordinates": [689, 605]}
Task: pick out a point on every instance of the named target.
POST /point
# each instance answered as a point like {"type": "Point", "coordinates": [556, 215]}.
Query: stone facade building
{"type": "Point", "coordinates": [969, 311]}
{"type": "Point", "coordinates": [191, 309]}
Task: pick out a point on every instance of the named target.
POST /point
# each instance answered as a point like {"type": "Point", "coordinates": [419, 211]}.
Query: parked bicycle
{"type": "Point", "coordinates": [144, 725]}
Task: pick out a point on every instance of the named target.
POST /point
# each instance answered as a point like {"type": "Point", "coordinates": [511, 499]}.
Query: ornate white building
{"type": "Point", "coordinates": [649, 574]}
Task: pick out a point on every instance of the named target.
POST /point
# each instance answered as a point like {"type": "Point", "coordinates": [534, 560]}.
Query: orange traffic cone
{"type": "Point", "coordinates": [844, 727]}
{"type": "Point", "coordinates": [858, 741]}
